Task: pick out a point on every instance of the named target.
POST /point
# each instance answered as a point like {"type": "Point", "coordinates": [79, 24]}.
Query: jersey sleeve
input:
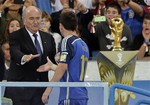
{"type": "Point", "coordinates": [67, 50]}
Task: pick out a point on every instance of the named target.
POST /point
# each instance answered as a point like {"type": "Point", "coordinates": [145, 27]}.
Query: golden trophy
{"type": "Point", "coordinates": [116, 27]}
{"type": "Point", "coordinates": [120, 67]}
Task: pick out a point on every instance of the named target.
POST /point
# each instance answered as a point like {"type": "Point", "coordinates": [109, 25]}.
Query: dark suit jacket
{"type": "Point", "coordinates": [21, 44]}
{"type": "Point", "coordinates": [1, 64]}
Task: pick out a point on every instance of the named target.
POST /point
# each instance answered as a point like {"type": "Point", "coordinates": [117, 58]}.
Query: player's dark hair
{"type": "Point", "coordinates": [68, 19]}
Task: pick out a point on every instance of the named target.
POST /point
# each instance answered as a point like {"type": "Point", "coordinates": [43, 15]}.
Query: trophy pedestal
{"type": "Point", "coordinates": [117, 67]}
{"type": "Point", "coordinates": [117, 49]}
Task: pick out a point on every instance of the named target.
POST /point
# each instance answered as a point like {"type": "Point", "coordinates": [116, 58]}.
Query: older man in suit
{"type": "Point", "coordinates": [29, 48]}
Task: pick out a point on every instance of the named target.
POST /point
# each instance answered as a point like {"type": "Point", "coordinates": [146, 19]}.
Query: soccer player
{"type": "Point", "coordinates": [74, 55]}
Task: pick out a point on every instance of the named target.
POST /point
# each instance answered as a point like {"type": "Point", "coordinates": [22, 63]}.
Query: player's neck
{"type": "Point", "coordinates": [68, 33]}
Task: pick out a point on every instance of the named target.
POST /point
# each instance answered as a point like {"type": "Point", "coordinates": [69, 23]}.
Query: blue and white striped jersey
{"type": "Point", "coordinates": [75, 53]}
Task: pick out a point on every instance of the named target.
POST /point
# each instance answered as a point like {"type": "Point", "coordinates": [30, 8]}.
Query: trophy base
{"type": "Point", "coordinates": [117, 49]}
{"type": "Point", "coordinates": [117, 67]}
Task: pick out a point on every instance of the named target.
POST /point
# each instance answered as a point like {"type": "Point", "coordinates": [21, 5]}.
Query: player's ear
{"type": "Point", "coordinates": [60, 27]}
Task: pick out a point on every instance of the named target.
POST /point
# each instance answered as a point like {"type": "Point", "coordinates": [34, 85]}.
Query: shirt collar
{"type": "Point", "coordinates": [6, 66]}
{"type": "Point", "coordinates": [31, 34]}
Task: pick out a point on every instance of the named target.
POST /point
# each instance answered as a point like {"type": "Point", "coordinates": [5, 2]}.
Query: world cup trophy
{"type": "Point", "coordinates": [116, 27]}
{"type": "Point", "coordinates": [120, 67]}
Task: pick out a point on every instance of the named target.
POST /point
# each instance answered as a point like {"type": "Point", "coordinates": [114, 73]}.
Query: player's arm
{"type": "Point", "coordinates": [59, 72]}
{"type": "Point", "coordinates": [59, 69]}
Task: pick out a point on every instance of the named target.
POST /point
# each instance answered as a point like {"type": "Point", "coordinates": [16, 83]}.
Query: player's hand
{"type": "Point", "coordinates": [45, 95]}
{"type": "Point", "coordinates": [46, 67]}
{"type": "Point", "coordinates": [57, 56]}
{"type": "Point", "coordinates": [27, 58]}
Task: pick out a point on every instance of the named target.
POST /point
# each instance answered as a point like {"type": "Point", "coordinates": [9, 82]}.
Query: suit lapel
{"type": "Point", "coordinates": [29, 41]}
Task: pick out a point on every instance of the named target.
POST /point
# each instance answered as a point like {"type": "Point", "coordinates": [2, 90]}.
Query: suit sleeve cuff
{"type": "Point", "coordinates": [22, 61]}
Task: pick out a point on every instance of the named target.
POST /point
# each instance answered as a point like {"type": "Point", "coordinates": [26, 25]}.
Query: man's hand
{"type": "Point", "coordinates": [46, 67]}
{"type": "Point", "coordinates": [46, 95]}
{"type": "Point", "coordinates": [27, 58]}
